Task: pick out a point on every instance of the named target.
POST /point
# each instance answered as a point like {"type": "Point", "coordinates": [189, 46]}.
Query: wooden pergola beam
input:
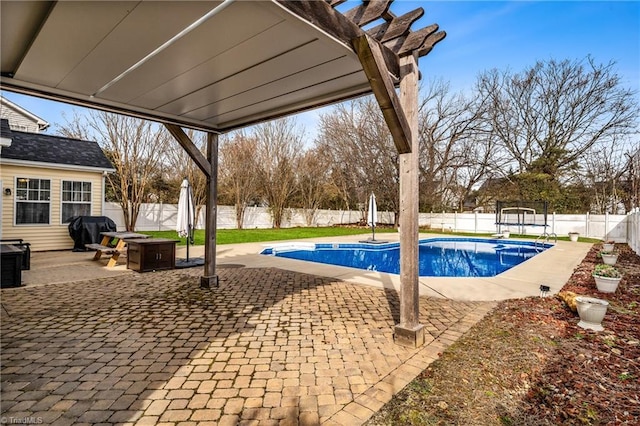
{"type": "Point", "coordinates": [397, 27]}
{"type": "Point", "coordinates": [187, 144]}
{"type": "Point", "coordinates": [431, 41]}
{"type": "Point", "coordinates": [382, 86]}
{"type": "Point", "coordinates": [322, 15]}
{"type": "Point", "coordinates": [415, 39]}
{"type": "Point", "coordinates": [368, 12]}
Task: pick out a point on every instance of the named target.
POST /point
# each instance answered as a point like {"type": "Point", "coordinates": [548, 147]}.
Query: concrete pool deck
{"type": "Point", "coordinates": [552, 268]}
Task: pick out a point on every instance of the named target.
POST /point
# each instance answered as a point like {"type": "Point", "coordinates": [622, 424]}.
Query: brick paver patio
{"type": "Point", "coordinates": [268, 347]}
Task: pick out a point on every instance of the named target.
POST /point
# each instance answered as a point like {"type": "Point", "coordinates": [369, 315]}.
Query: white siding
{"type": "Point", "coordinates": [17, 120]}
{"type": "Point", "coordinates": [54, 236]}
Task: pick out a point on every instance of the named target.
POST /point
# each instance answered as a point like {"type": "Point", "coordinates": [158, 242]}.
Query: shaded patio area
{"type": "Point", "coordinates": [270, 346]}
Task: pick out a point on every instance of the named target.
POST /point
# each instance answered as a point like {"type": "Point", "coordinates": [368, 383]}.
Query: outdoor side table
{"type": "Point", "coordinates": [151, 254]}
{"type": "Point", "coordinates": [10, 266]}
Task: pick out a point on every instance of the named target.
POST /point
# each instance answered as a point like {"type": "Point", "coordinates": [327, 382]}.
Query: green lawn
{"type": "Point", "coordinates": [234, 236]}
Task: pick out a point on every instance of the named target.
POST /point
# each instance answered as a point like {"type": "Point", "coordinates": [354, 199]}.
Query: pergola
{"type": "Point", "coordinates": [217, 66]}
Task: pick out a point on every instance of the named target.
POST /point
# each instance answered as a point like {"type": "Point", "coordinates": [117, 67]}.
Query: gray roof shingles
{"type": "Point", "coordinates": [55, 149]}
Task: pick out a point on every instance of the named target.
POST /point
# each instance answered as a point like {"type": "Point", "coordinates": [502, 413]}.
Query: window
{"type": "Point", "coordinates": [33, 199]}
{"type": "Point", "coordinates": [76, 199]}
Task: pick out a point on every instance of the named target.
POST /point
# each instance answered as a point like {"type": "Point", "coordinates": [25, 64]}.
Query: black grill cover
{"type": "Point", "coordinates": [87, 229]}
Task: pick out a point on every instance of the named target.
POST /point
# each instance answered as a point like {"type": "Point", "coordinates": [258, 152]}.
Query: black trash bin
{"type": "Point", "coordinates": [26, 251]}
{"type": "Point", "coordinates": [10, 266]}
{"type": "Point", "coordinates": [86, 230]}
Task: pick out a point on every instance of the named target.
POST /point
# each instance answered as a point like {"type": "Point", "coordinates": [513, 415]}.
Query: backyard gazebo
{"type": "Point", "coordinates": [218, 66]}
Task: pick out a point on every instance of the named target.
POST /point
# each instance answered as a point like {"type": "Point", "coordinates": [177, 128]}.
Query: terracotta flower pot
{"type": "Point", "coordinates": [591, 312]}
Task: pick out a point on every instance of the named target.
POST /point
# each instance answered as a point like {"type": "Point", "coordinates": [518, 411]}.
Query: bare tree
{"type": "Point", "coordinates": [633, 177]}
{"type": "Point", "coordinates": [335, 139]}
{"type": "Point", "coordinates": [455, 152]}
{"type": "Point", "coordinates": [280, 144]}
{"type": "Point", "coordinates": [238, 172]}
{"type": "Point", "coordinates": [313, 183]}
{"type": "Point", "coordinates": [134, 147]}
{"type": "Point", "coordinates": [604, 169]}
{"type": "Point", "coordinates": [549, 115]}
{"type": "Point", "coordinates": [364, 159]}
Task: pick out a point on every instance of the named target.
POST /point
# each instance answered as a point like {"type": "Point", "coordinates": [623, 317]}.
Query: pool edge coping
{"type": "Point", "coordinates": [521, 281]}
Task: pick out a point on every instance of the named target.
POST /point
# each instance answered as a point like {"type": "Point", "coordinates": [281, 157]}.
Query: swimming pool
{"type": "Point", "coordinates": [439, 257]}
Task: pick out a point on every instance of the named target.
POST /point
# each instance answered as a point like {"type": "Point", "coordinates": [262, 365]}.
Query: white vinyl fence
{"type": "Point", "coordinates": [606, 226]}
{"type": "Point", "coordinates": [162, 217]}
{"type": "Point", "coordinates": [633, 234]}
{"type": "Point", "coordinates": [621, 228]}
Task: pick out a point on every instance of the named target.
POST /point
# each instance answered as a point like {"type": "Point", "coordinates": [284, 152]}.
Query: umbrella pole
{"type": "Point", "coordinates": [373, 228]}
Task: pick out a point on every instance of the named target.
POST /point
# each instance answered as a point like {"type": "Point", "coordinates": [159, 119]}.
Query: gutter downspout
{"type": "Point", "coordinates": [103, 193]}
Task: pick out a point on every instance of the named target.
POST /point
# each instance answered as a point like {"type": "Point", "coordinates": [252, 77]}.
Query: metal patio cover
{"type": "Point", "coordinates": [222, 65]}
{"type": "Point", "coordinates": [209, 65]}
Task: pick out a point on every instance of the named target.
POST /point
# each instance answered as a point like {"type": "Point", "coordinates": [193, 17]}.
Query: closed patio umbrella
{"type": "Point", "coordinates": [184, 222]}
{"type": "Point", "coordinates": [372, 215]}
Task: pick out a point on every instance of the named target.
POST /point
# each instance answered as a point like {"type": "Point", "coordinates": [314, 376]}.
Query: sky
{"type": "Point", "coordinates": [482, 35]}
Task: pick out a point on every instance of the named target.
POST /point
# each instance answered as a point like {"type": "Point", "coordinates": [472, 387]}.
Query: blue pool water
{"type": "Point", "coordinates": [439, 257]}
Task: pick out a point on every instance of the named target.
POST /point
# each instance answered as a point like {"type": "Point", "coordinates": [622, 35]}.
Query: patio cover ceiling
{"type": "Point", "coordinates": [209, 65]}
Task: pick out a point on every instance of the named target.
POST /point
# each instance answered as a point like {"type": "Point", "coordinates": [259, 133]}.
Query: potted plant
{"type": "Point", "coordinates": [607, 278]}
{"type": "Point", "coordinates": [573, 236]}
{"type": "Point", "coordinates": [609, 257]}
{"type": "Point", "coordinates": [608, 245]}
{"type": "Point", "coordinates": [591, 312]}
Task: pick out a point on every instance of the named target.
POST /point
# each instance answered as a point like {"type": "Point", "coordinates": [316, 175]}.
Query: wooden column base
{"type": "Point", "coordinates": [207, 282]}
{"type": "Point", "coordinates": [410, 337]}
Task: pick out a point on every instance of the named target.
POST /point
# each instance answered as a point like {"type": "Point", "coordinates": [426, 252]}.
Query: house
{"type": "Point", "coordinates": [20, 119]}
{"type": "Point", "coordinates": [492, 190]}
{"type": "Point", "coordinates": [45, 181]}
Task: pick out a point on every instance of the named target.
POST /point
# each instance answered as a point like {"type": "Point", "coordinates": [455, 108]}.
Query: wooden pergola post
{"type": "Point", "coordinates": [208, 166]}
{"type": "Point", "coordinates": [211, 220]}
{"type": "Point", "coordinates": [409, 331]}
{"type": "Point", "coordinates": [401, 115]}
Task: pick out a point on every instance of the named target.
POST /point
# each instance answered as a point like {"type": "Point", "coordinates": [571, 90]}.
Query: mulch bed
{"type": "Point", "coordinates": [528, 363]}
